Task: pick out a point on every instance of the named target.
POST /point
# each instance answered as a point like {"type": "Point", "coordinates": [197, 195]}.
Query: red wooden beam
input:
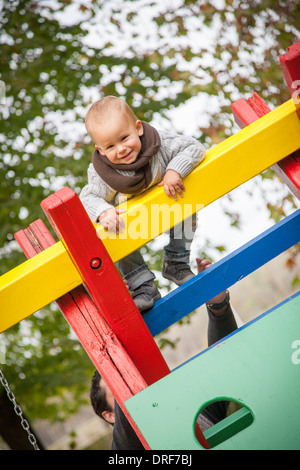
{"type": "Point", "coordinates": [247, 111]}
{"type": "Point", "coordinates": [104, 283]}
{"type": "Point", "coordinates": [290, 63]}
{"type": "Point", "coordinates": [99, 340]}
{"type": "Point", "coordinates": [95, 335]}
{"type": "Point", "coordinates": [243, 113]}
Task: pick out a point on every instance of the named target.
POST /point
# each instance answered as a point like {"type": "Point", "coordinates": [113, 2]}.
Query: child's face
{"type": "Point", "coordinates": [118, 139]}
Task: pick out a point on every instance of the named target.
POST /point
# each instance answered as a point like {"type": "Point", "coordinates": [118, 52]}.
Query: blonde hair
{"type": "Point", "coordinates": [103, 109]}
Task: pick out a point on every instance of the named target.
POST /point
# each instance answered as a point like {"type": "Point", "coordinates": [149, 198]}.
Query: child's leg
{"type": "Point", "coordinates": [140, 280]}
{"type": "Point", "coordinates": [135, 270]}
{"type": "Point", "coordinates": [181, 237]}
{"type": "Point", "coordinates": [177, 252]}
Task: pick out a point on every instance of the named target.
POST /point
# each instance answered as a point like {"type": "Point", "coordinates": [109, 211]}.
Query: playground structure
{"type": "Point", "coordinates": [253, 366]}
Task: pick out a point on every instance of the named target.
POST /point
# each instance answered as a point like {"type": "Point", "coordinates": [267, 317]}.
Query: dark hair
{"type": "Point", "coordinates": [98, 396]}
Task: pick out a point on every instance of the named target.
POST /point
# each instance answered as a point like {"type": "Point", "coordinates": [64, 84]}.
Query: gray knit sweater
{"type": "Point", "coordinates": [176, 152]}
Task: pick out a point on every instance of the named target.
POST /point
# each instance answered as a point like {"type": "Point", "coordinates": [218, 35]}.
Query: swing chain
{"type": "Point", "coordinates": [18, 411]}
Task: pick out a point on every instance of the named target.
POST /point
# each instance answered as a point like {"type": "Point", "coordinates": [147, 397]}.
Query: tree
{"type": "Point", "coordinates": [56, 58]}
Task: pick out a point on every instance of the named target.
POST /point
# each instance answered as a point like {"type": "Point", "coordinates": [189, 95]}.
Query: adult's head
{"type": "Point", "coordinates": [102, 399]}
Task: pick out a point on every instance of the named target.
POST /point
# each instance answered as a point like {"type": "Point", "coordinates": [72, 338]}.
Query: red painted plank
{"type": "Point", "coordinates": [247, 111]}
{"type": "Point", "coordinates": [288, 169]}
{"type": "Point", "coordinates": [258, 105]}
{"type": "Point", "coordinates": [95, 335]}
{"type": "Point", "coordinates": [105, 285]}
{"type": "Point", "coordinates": [28, 241]}
{"type": "Point", "coordinates": [290, 63]}
{"type": "Point", "coordinates": [296, 156]}
{"type": "Point", "coordinates": [243, 113]}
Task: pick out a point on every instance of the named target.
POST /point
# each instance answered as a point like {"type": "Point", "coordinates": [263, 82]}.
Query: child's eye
{"type": "Point", "coordinates": [109, 147]}
{"type": "Point", "coordinates": [125, 137]}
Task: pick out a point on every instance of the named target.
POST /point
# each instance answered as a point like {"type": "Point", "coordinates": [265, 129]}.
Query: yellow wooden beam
{"type": "Point", "coordinates": [35, 283]}
{"type": "Point", "coordinates": [226, 166]}
{"type": "Point", "coordinates": [50, 274]}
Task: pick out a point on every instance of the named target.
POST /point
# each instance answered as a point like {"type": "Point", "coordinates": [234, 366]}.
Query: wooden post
{"type": "Point", "coordinates": [290, 63]}
{"type": "Point", "coordinates": [97, 337]}
{"type": "Point", "coordinates": [105, 285]}
{"type": "Point", "coordinates": [246, 112]}
{"type": "Point", "coordinates": [103, 282]}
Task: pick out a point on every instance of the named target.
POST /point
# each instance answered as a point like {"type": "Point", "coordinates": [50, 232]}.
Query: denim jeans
{"type": "Point", "coordinates": [134, 268]}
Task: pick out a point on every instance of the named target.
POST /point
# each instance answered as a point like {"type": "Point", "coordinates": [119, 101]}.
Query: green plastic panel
{"type": "Point", "coordinates": [254, 366]}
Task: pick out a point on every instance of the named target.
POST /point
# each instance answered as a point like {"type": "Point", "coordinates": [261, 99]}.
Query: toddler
{"type": "Point", "coordinates": [129, 157]}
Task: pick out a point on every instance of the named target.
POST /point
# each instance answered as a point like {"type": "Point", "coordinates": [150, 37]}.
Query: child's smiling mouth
{"type": "Point", "coordinates": [128, 156]}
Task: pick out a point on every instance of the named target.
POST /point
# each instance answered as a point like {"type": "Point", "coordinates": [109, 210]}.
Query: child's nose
{"type": "Point", "coordinates": [121, 148]}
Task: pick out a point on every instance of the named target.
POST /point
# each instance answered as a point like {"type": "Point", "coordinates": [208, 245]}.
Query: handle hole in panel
{"type": "Point", "coordinates": [221, 419]}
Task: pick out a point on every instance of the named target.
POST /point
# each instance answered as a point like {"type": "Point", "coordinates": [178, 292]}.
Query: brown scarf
{"type": "Point", "coordinates": [142, 177]}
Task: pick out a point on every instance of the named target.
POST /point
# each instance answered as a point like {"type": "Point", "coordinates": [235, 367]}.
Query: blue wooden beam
{"type": "Point", "coordinates": [223, 274]}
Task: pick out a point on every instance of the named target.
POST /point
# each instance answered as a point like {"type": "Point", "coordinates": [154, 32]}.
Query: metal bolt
{"type": "Point", "coordinates": [95, 263]}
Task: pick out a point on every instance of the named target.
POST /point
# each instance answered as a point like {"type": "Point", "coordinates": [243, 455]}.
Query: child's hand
{"type": "Point", "coordinates": [172, 184]}
{"type": "Point", "coordinates": [111, 220]}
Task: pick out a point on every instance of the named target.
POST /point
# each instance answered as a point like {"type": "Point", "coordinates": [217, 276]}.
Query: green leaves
{"type": "Point", "coordinates": [157, 56]}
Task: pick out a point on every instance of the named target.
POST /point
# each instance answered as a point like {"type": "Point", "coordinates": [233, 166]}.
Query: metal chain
{"type": "Point", "coordinates": [18, 411]}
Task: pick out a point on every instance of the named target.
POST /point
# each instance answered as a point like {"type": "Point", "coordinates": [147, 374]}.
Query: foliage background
{"type": "Point", "coordinates": [164, 58]}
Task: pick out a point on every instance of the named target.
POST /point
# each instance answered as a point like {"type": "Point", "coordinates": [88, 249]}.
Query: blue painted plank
{"type": "Point", "coordinates": [224, 273]}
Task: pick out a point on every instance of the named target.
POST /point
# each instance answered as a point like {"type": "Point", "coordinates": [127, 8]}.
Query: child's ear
{"type": "Point", "coordinates": [139, 127]}
{"type": "Point", "coordinates": [99, 149]}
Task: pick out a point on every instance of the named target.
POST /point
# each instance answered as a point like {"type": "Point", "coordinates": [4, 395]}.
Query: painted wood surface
{"type": "Point", "coordinates": [52, 273]}
{"type": "Point", "coordinates": [98, 339]}
{"type": "Point", "coordinates": [224, 273]}
{"type": "Point", "coordinates": [255, 366]}
{"type": "Point", "coordinates": [290, 63]}
{"type": "Point", "coordinates": [247, 111]}
{"type": "Point", "coordinates": [108, 324]}
{"type": "Point", "coordinates": [35, 283]}
{"type": "Point", "coordinates": [103, 282]}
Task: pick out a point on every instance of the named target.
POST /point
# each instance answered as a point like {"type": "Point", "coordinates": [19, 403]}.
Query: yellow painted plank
{"type": "Point", "coordinates": [227, 165]}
